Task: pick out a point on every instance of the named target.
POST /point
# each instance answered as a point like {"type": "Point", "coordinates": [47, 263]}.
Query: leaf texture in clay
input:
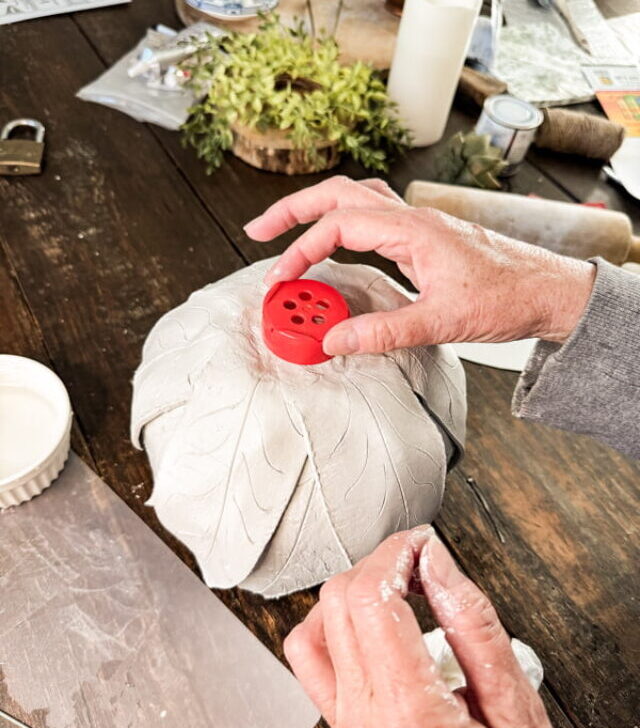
{"type": "Point", "coordinates": [305, 548]}
{"type": "Point", "coordinates": [276, 475]}
{"type": "Point", "coordinates": [375, 452]}
{"type": "Point", "coordinates": [210, 490]}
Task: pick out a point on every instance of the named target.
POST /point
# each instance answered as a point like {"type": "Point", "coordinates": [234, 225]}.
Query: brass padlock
{"type": "Point", "coordinates": [21, 156]}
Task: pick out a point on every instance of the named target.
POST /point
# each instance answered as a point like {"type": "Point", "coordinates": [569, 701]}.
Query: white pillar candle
{"type": "Point", "coordinates": [432, 43]}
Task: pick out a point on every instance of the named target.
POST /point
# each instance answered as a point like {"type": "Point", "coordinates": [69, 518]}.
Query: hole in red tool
{"type": "Point", "coordinates": [297, 319]}
{"type": "Point", "coordinates": [318, 319]}
{"type": "Point", "coordinates": [322, 304]}
{"type": "Point", "coordinates": [304, 296]}
{"type": "Point", "coordinates": [289, 304]}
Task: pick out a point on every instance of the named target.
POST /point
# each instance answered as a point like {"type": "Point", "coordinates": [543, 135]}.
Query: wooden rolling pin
{"type": "Point", "coordinates": [564, 227]}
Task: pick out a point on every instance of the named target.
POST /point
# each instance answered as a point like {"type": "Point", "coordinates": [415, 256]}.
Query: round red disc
{"type": "Point", "coordinates": [295, 317]}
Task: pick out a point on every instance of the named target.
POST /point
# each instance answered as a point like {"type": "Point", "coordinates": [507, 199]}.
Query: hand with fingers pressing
{"type": "Point", "coordinates": [360, 656]}
{"type": "Point", "coordinates": [473, 284]}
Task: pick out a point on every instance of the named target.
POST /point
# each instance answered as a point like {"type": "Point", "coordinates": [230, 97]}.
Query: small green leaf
{"type": "Point", "coordinates": [282, 78]}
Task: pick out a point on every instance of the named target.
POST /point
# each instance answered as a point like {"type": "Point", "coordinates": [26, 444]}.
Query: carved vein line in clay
{"type": "Point", "coordinates": [449, 384]}
{"type": "Point", "coordinates": [286, 408]}
{"type": "Point", "coordinates": [189, 344]}
{"type": "Point", "coordinates": [386, 447]}
{"type": "Point", "coordinates": [380, 510]}
{"type": "Point", "coordinates": [373, 282]}
{"type": "Point", "coordinates": [147, 416]}
{"type": "Point", "coordinates": [404, 406]}
{"type": "Point", "coordinates": [348, 425]}
{"type": "Point", "coordinates": [317, 479]}
{"type": "Point", "coordinates": [208, 311]}
{"type": "Point", "coordinates": [364, 467]}
{"type": "Point", "coordinates": [231, 467]}
{"type": "Point", "coordinates": [264, 448]}
{"type": "Point", "coordinates": [208, 413]}
{"type": "Point", "coordinates": [287, 561]}
{"type": "Point", "coordinates": [402, 439]}
{"type": "Point", "coordinates": [251, 489]}
{"type": "Point", "coordinates": [415, 480]}
{"type": "Point", "coordinates": [452, 365]}
{"type": "Point", "coordinates": [193, 496]}
{"type": "Point", "coordinates": [175, 319]}
{"type": "Point", "coordinates": [242, 521]}
{"type": "Point", "coordinates": [211, 451]}
{"type": "Point", "coordinates": [420, 363]}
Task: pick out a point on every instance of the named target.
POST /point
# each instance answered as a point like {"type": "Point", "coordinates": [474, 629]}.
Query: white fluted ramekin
{"type": "Point", "coordinates": [35, 428]}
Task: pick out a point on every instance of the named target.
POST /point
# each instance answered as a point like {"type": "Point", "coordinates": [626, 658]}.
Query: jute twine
{"type": "Point", "coordinates": [573, 132]}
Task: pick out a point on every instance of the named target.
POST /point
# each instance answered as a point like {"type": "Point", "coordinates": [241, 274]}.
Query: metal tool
{"type": "Point", "coordinates": [21, 156]}
{"type": "Point", "coordinates": [12, 720]}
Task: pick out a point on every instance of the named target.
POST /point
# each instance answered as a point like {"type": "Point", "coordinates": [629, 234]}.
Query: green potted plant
{"type": "Point", "coordinates": [281, 100]}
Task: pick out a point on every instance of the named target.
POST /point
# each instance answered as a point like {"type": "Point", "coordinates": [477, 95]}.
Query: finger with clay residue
{"type": "Point", "coordinates": [390, 639]}
{"type": "Point", "coordinates": [495, 680]}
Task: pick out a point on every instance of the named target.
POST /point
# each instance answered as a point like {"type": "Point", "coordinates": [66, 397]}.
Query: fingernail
{"type": "Point", "coordinates": [437, 565]}
{"type": "Point", "coordinates": [343, 341]}
{"type": "Point", "coordinates": [418, 538]}
{"type": "Point", "coordinates": [421, 534]}
{"type": "Point", "coordinates": [273, 275]}
{"type": "Point", "coordinates": [251, 225]}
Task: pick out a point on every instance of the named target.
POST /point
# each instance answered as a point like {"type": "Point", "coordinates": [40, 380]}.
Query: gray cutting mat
{"type": "Point", "coordinates": [102, 626]}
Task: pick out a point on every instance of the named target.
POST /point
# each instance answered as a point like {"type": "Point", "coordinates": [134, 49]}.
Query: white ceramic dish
{"type": "Point", "coordinates": [233, 10]}
{"type": "Point", "coordinates": [35, 428]}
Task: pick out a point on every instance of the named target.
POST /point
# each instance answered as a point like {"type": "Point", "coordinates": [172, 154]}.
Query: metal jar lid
{"type": "Point", "coordinates": [511, 112]}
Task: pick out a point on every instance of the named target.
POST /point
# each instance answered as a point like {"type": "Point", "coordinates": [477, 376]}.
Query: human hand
{"type": "Point", "coordinates": [474, 284]}
{"type": "Point", "coordinates": [360, 655]}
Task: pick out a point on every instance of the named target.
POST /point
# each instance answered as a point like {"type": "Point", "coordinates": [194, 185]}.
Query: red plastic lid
{"type": "Point", "coordinates": [295, 317]}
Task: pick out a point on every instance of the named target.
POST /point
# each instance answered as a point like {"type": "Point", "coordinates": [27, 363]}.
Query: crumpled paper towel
{"type": "Point", "coordinates": [451, 672]}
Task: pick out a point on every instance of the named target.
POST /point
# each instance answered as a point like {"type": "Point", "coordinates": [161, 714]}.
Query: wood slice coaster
{"type": "Point", "coordinates": [364, 29]}
{"type": "Point", "coordinates": [273, 151]}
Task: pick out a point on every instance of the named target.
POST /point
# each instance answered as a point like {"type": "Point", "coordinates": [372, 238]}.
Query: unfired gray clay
{"type": "Point", "coordinates": [275, 475]}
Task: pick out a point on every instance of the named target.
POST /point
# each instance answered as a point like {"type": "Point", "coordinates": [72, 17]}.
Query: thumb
{"type": "Point", "coordinates": [375, 333]}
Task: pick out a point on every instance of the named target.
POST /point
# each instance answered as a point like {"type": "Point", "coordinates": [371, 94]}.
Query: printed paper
{"type": "Point", "coordinates": [13, 11]}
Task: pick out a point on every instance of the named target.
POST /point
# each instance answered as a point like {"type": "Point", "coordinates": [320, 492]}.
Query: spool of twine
{"type": "Point", "coordinates": [573, 132]}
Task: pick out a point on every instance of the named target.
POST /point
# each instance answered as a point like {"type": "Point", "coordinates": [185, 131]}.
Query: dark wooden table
{"type": "Point", "coordinates": [123, 224]}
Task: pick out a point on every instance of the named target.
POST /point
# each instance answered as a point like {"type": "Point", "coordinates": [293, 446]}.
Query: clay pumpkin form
{"type": "Point", "coordinates": [278, 475]}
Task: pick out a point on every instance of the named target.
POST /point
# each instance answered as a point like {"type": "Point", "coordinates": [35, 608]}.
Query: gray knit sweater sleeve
{"type": "Point", "coordinates": [591, 383]}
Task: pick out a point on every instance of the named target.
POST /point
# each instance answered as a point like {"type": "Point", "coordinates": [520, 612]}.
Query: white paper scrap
{"type": "Point", "coordinates": [618, 90]}
{"type": "Point", "coordinates": [13, 11]}
{"type": "Point", "coordinates": [603, 42]}
{"type": "Point", "coordinates": [541, 65]}
{"type": "Point", "coordinates": [626, 165]}
{"type": "Point", "coordinates": [512, 355]}
{"type": "Point", "coordinates": [604, 45]}
{"type": "Point", "coordinates": [627, 28]}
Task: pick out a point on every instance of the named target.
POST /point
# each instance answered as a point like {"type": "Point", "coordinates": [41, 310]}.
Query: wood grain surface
{"type": "Point", "coordinates": [124, 223]}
